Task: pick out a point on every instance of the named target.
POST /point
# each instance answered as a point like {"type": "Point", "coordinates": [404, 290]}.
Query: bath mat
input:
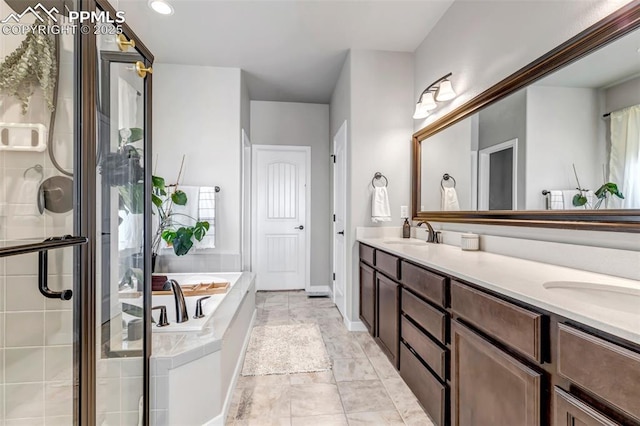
{"type": "Point", "coordinates": [285, 349]}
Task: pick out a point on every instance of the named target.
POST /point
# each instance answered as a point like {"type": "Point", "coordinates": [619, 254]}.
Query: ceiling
{"type": "Point", "coordinates": [610, 65]}
{"type": "Point", "coordinates": [292, 51]}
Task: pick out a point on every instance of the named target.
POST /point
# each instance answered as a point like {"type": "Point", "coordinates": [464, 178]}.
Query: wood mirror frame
{"type": "Point", "coordinates": [605, 31]}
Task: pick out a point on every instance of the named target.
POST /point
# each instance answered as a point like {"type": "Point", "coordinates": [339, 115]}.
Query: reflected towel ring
{"type": "Point", "coordinates": [446, 177]}
{"type": "Point", "coordinates": [38, 169]}
{"type": "Point", "coordinates": [379, 176]}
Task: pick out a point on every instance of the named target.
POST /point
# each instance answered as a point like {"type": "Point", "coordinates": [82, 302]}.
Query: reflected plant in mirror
{"type": "Point", "coordinates": [606, 191]}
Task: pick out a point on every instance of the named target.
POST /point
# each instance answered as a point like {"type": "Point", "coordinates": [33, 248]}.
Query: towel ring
{"type": "Point", "coordinates": [446, 177]}
{"type": "Point", "coordinates": [38, 169]}
{"type": "Point", "coordinates": [379, 176]}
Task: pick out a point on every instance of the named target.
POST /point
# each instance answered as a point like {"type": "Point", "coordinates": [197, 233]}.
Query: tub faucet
{"type": "Point", "coordinates": [181, 306]}
{"type": "Point", "coordinates": [431, 234]}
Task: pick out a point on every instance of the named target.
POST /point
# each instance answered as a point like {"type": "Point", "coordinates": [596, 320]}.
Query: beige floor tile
{"type": "Point", "coordinates": [349, 369]}
{"type": "Point", "coordinates": [314, 400]}
{"type": "Point", "coordinates": [285, 421]}
{"type": "Point", "coordinates": [344, 348]}
{"type": "Point", "coordinates": [364, 395]}
{"type": "Point", "coordinates": [326, 420]}
{"type": "Point", "coordinates": [383, 367]}
{"type": "Point", "coordinates": [255, 381]}
{"type": "Point", "coordinates": [264, 402]}
{"type": "Point", "coordinates": [307, 378]}
{"type": "Point", "coordinates": [406, 403]}
{"type": "Point", "coordinates": [386, 418]}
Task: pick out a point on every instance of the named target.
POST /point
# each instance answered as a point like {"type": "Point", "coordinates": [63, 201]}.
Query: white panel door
{"type": "Point", "coordinates": [339, 205]}
{"type": "Point", "coordinates": [281, 200]}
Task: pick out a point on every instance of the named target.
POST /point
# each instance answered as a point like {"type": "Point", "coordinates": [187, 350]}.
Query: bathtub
{"type": "Point", "coordinates": [208, 306]}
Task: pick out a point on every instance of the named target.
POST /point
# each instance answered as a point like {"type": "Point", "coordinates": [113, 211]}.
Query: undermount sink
{"type": "Point", "coordinates": [614, 297]}
{"type": "Point", "coordinates": [406, 242]}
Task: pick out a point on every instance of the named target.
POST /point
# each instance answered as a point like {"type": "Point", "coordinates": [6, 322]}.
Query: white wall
{"type": "Point", "coordinates": [197, 113]}
{"type": "Point", "coordinates": [447, 152]}
{"type": "Point", "coordinates": [562, 130]}
{"type": "Point", "coordinates": [481, 52]}
{"type": "Point", "coordinates": [374, 94]}
{"type": "Point", "coordinates": [287, 123]}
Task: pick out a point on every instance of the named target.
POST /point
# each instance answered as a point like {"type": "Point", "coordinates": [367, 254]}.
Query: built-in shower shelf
{"type": "Point", "coordinates": [23, 137]}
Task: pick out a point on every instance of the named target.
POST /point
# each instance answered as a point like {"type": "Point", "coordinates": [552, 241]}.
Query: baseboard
{"type": "Point", "coordinates": [323, 289]}
{"type": "Point", "coordinates": [220, 419]}
{"type": "Point", "coordinates": [354, 325]}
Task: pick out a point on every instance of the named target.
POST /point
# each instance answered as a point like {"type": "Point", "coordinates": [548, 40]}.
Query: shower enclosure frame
{"type": "Point", "coordinates": [85, 284]}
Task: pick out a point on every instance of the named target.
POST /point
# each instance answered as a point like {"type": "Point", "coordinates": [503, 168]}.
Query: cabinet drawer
{"type": "Point", "coordinates": [570, 411]}
{"type": "Point", "coordinates": [425, 315]}
{"type": "Point", "coordinates": [388, 264]}
{"type": "Point", "coordinates": [511, 324]}
{"type": "Point", "coordinates": [430, 392]}
{"type": "Point", "coordinates": [427, 284]}
{"type": "Point", "coordinates": [430, 352]}
{"type": "Point", "coordinates": [607, 370]}
{"type": "Point", "coordinates": [368, 254]}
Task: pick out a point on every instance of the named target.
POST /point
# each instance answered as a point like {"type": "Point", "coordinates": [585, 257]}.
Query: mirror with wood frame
{"type": "Point", "coordinates": [556, 144]}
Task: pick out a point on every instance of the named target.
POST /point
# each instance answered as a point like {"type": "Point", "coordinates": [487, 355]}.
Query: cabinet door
{"type": "Point", "coordinates": [388, 325]}
{"type": "Point", "coordinates": [570, 411]}
{"type": "Point", "coordinates": [367, 297]}
{"type": "Point", "coordinates": [489, 387]}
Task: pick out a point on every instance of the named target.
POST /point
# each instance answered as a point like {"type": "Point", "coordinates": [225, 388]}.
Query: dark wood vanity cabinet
{"type": "Point", "coordinates": [476, 357]}
{"type": "Point", "coordinates": [489, 386]}
{"type": "Point", "coordinates": [367, 297]}
{"type": "Point", "coordinates": [388, 318]}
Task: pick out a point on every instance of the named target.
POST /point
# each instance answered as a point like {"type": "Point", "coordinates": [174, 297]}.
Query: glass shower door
{"type": "Point", "coordinates": [122, 264]}
{"type": "Point", "coordinates": [38, 293]}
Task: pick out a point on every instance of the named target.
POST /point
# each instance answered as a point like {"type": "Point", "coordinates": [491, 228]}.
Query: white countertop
{"type": "Point", "coordinates": [523, 280]}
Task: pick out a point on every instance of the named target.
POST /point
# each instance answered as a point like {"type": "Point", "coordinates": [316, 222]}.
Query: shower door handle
{"type": "Point", "coordinates": [43, 265]}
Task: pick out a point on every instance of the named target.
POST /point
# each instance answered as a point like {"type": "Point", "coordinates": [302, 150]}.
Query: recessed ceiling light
{"type": "Point", "coordinates": [161, 6]}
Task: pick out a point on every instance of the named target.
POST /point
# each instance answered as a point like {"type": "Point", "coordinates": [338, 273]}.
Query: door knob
{"type": "Point", "coordinates": [299, 227]}
{"type": "Point", "coordinates": [341, 233]}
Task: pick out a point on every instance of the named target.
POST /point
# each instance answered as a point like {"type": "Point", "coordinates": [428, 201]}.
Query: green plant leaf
{"type": "Point", "coordinates": [132, 197]}
{"type": "Point", "coordinates": [182, 243]}
{"type": "Point", "coordinates": [200, 230]}
{"type": "Point", "coordinates": [168, 235]}
{"type": "Point", "coordinates": [579, 200]}
{"type": "Point", "coordinates": [179, 197]}
{"type": "Point", "coordinates": [157, 201]}
{"type": "Point", "coordinates": [157, 182]}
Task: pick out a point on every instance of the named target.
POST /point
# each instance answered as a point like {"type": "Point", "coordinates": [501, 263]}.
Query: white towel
{"type": "Point", "coordinates": [449, 201]}
{"type": "Point", "coordinates": [207, 212]}
{"type": "Point", "coordinates": [556, 200]}
{"type": "Point", "coordinates": [380, 211]}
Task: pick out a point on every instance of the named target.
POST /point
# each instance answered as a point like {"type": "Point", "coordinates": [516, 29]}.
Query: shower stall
{"type": "Point", "coordinates": [75, 177]}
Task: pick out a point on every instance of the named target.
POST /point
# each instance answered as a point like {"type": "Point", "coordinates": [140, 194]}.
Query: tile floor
{"type": "Point", "coordinates": [362, 388]}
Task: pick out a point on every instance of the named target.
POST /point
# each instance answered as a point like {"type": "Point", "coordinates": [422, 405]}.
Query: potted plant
{"type": "Point", "coordinates": [174, 227]}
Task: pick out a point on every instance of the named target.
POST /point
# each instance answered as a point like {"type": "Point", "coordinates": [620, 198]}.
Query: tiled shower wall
{"type": "Point", "coordinates": [36, 334]}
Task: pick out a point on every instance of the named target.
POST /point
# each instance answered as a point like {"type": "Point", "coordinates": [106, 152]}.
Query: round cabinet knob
{"type": "Point", "coordinates": [299, 227]}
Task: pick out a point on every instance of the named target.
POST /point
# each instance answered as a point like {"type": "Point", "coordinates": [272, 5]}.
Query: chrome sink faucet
{"type": "Point", "coordinates": [432, 236]}
{"type": "Point", "coordinates": [181, 305]}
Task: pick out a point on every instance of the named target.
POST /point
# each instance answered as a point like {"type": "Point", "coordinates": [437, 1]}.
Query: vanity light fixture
{"type": "Point", "coordinates": [427, 102]}
{"type": "Point", "coordinates": [161, 6]}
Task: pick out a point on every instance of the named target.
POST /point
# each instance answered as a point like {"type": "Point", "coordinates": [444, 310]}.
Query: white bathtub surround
{"type": "Point", "coordinates": [209, 306]}
{"type": "Point", "coordinates": [194, 373]}
{"type": "Point", "coordinates": [526, 280]}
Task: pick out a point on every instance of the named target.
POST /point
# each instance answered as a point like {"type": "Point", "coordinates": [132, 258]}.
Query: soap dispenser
{"type": "Point", "coordinates": [406, 228]}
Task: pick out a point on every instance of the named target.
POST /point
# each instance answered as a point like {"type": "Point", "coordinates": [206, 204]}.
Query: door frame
{"type": "Point", "coordinates": [254, 204]}
{"type": "Point", "coordinates": [484, 172]}
{"type": "Point", "coordinates": [343, 127]}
